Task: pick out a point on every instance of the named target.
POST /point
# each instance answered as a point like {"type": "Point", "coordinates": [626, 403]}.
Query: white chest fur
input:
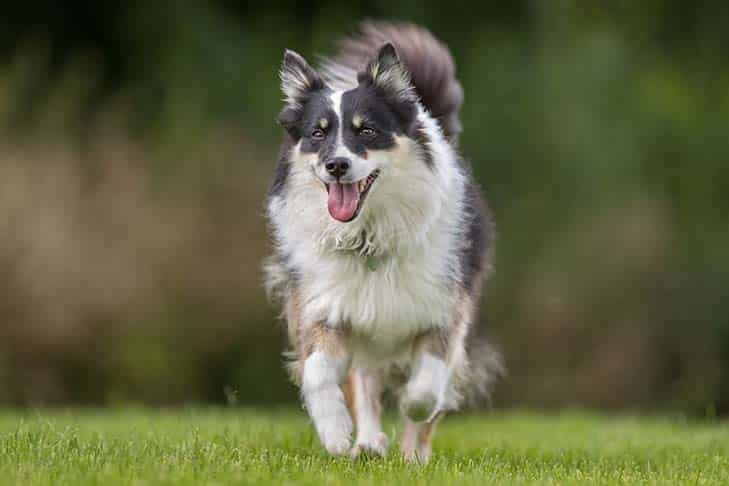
{"type": "Point", "coordinates": [404, 294]}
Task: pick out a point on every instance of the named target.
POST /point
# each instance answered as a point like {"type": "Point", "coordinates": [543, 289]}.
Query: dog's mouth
{"type": "Point", "coordinates": [346, 198]}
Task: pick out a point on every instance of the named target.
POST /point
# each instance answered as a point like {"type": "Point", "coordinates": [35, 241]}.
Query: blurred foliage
{"type": "Point", "coordinates": [137, 139]}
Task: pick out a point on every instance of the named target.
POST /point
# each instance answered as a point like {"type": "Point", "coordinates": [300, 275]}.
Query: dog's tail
{"type": "Point", "coordinates": [485, 368]}
{"type": "Point", "coordinates": [428, 60]}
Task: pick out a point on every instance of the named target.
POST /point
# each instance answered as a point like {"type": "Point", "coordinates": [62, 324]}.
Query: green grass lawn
{"type": "Point", "coordinates": [256, 447]}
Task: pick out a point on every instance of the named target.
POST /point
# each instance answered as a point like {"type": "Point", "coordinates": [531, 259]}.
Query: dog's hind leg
{"type": "Point", "coordinates": [366, 390]}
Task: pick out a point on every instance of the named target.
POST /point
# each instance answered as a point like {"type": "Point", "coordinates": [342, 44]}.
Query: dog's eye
{"type": "Point", "coordinates": [367, 131]}
{"type": "Point", "coordinates": [318, 134]}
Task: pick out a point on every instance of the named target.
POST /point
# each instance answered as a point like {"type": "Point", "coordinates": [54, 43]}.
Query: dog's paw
{"type": "Point", "coordinates": [416, 455]}
{"type": "Point", "coordinates": [337, 446]}
{"type": "Point", "coordinates": [375, 446]}
{"type": "Point", "coordinates": [335, 433]}
{"type": "Point", "coordinates": [419, 405]}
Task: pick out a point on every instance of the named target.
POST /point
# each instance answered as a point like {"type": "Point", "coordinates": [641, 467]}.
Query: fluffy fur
{"type": "Point", "coordinates": [389, 296]}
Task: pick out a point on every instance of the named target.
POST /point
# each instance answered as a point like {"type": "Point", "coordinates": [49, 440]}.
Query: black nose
{"type": "Point", "coordinates": [337, 166]}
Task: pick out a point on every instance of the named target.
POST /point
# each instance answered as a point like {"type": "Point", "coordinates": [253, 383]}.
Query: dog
{"type": "Point", "coordinates": [381, 239]}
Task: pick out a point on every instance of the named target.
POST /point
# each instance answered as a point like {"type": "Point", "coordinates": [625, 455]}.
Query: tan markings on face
{"type": "Point", "coordinates": [323, 123]}
{"type": "Point", "coordinates": [357, 121]}
{"type": "Point", "coordinates": [402, 146]}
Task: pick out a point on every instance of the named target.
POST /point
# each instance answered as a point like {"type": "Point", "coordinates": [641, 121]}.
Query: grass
{"type": "Point", "coordinates": [209, 446]}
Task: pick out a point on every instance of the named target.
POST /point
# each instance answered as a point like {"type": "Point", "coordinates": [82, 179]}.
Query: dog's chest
{"type": "Point", "coordinates": [384, 298]}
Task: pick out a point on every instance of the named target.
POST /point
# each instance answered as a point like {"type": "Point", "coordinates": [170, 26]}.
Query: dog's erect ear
{"type": "Point", "coordinates": [298, 79]}
{"type": "Point", "coordinates": [298, 82]}
{"type": "Point", "coordinates": [388, 73]}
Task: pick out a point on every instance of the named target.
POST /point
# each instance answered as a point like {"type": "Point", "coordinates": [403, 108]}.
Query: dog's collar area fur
{"type": "Point", "coordinates": [371, 260]}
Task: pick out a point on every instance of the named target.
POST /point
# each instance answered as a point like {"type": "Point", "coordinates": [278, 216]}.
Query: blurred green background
{"type": "Point", "coordinates": [137, 140]}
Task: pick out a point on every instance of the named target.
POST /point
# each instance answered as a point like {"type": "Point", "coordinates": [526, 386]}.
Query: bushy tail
{"type": "Point", "coordinates": [485, 369]}
{"type": "Point", "coordinates": [429, 62]}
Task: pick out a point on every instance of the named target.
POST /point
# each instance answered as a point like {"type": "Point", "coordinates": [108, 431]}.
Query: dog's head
{"type": "Point", "coordinates": [350, 139]}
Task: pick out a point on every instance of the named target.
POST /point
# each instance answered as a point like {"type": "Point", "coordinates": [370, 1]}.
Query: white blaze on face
{"type": "Point", "coordinates": [344, 193]}
{"type": "Point", "coordinates": [341, 149]}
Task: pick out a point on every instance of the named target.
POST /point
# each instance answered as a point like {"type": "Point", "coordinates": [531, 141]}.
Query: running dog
{"type": "Point", "coordinates": [381, 239]}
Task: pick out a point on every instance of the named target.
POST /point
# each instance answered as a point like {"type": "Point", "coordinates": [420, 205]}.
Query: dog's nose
{"type": "Point", "coordinates": [338, 166]}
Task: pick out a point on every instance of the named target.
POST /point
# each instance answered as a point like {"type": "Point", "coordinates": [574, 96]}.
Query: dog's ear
{"type": "Point", "coordinates": [298, 79]}
{"type": "Point", "coordinates": [386, 72]}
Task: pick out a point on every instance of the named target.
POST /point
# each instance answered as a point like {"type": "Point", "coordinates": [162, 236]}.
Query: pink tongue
{"type": "Point", "coordinates": [343, 201]}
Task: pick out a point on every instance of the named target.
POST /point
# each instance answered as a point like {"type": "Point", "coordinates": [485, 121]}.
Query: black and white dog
{"type": "Point", "coordinates": [381, 239]}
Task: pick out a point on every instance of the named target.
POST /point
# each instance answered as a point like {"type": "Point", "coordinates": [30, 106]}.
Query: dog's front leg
{"type": "Point", "coordinates": [326, 364]}
{"type": "Point", "coordinates": [425, 391]}
{"type": "Point", "coordinates": [436, 356]}
{"type": "Point", "coordinates": [428, 393]}
{"type": "Point", "coordinates": [425, 397]}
